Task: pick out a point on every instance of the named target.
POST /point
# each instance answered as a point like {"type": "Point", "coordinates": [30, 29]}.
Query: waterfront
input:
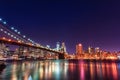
{"type": "Point", "coordinates": [61, 70]}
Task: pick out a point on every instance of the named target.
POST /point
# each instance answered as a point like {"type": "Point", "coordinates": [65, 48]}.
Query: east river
{"type": "Point", "coordinates": [61, 70]}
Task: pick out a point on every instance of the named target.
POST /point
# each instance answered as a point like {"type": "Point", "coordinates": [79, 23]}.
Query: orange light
{"type": "Point", "coordinates": [9, 40]}
{"type": "Point", "coordinates": [19, 41]}
{"type": "Point", "coordinates": [3, 38]}
{"type": "Point", "coordinates": [112, 58]}
{"type": "Point", "coordinates": [80, 44]}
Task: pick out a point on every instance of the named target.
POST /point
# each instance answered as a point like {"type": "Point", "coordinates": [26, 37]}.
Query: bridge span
{"type": "Point", "coordinates": [10, 35]}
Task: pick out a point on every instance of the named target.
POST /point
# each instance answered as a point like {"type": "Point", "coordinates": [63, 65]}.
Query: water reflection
{"type": "Point", "coordinates": [61, 70]}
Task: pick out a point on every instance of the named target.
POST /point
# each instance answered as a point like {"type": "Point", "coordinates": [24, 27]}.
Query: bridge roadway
{"type": "Point", "coordinates": [28, 45]}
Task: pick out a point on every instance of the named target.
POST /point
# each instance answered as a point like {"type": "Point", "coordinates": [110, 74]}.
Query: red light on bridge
{"type": "Point", "coordinates": [9, 40]}
{"type": "Point", "coordinates": [19, 41]}
{"type": "Point", "coordinates": [30, 44]}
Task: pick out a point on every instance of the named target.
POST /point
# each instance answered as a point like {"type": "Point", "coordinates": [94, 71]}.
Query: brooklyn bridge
{"type": "Point", "coordinates": [25, 47]}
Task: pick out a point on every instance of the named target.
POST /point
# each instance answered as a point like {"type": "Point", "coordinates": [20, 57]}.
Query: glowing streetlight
{"type": "Point", "coordinates": [1, 29]}
{"type": "Point", "coordinates": [24, 36]}
{"type": "Point", "coordinates": [18, 32]}
{"type": "Point", "coordinates": [0, 19]}
{"type": "Point", "coordinates": [15, 30]}
{"type": "Point", "coordinates": [4, 22]}
{"type": "Point", "coordinates": [12, 28]}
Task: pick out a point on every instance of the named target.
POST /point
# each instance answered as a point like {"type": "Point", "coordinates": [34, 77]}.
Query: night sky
{"type": "Point", "coordinates": [95, 24]}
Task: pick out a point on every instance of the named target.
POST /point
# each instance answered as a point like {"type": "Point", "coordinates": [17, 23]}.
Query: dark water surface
{"type": "Point", "coordinates": [61, 70]}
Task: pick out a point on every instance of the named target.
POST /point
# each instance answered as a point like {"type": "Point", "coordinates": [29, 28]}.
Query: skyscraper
{"type": "Point", "coordinates": [79, 49]}
{"type": "Point", "coordinates": [63, 47]}
{"type": "Point", "coordinates": [58, 46]}
{"type": "Point", "coordinates": [97, 50]}
{"type": "Point", "coordinates": [91, 50]}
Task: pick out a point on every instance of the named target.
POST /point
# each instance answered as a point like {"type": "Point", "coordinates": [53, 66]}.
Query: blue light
{"type": "Point", "coordinates": [32, 42]}
{"type": "Point", "coordinates": [16, 30]}
{"type": "Point", "coordinates": [48, 46]}
{"type": "Point", "coordinates": [24, 36]}
{"type": "Point", "coordinates": [4, 22]}
{"type": "Point", "coordinates": [15, 37]}
{"type": "Point", "coordinates": [11, 35]}
{"type": "Point", "coordinates": [1, 29]}
{"type": "Point", "coordinates": [5, 31]}
{"type": "Point", "coordinates": [12, 28]}
{"type": "Point", "coordinates": [28, 39]}
{"type": "Point", "coordinates": [8, 33]}
{"type": "Point", "coordinates": [0, 19]}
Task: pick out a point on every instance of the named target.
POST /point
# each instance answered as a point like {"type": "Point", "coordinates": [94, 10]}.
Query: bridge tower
{"type": "Point", "coordinates": [63, 50]}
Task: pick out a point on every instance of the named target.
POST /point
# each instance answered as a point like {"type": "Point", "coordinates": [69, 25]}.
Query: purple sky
{"type": "Point", "coordinates": [94, 24]}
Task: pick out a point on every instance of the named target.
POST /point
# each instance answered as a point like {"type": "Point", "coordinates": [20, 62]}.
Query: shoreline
{"type": "Point", "coordinates": [87, 60]}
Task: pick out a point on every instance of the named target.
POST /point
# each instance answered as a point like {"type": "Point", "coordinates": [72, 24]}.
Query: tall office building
{"type": "Point", "coordinates": [97, 50]}
{"type": "Point", "coordinates": [58, 46]}
{"type": "Point", "coordinates": [91, 50]}
{"type": "Point", "coordinates": [63, 47]}
{"type": "Point", "coordinates": [79, 49]}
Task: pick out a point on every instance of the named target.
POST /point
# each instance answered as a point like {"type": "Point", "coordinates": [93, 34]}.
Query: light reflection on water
{"type": "Point", "coordinates": [61, 70]}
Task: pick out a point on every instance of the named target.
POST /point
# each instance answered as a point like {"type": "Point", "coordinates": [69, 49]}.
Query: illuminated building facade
{"type": "Point", "coordinates": [58, 46]}
{"type": "Point", "coordinates": [91, 50]}
{"type": "Point", "coordinates": [63, 47]}
{"type": "Point", "coordinates": [97, 50]}
{"type": "Point", "coordinates": [79, 49]}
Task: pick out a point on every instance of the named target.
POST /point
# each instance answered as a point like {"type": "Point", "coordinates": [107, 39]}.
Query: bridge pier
{"type": "Point", "coordinates": [61, 56]}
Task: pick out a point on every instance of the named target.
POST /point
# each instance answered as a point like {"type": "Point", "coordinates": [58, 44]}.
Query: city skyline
{"type": "Point", "coordinates": [93, 24]}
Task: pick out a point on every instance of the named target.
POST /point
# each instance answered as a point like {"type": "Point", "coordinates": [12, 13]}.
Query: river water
{"type": "Point", "coordinates": [61, 70]}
